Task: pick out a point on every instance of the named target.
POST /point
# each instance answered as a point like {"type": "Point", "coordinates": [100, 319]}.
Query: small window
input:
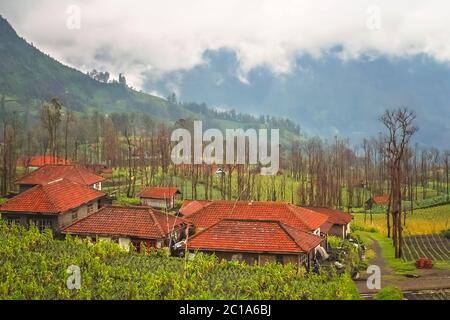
{"type": "Point", "coordinates": [42, 224]}
{"type": "Point", "coordinates": [279, 258]}
{"type": "Point", "coordinates": [74, 215]}
{"type": "Point", "coordinates": [11, 221]}
{"type": "Point", "coordinates": [236, 257]}
{"type": "Point", "coordinates": [90, 208]}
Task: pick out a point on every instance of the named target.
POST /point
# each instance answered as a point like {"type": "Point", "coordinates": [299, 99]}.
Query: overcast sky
{"type": "Point", "coordinates": [136, 37]}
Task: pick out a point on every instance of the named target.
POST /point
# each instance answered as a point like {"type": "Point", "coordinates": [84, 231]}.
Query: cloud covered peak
{"type": "Point", "coordinates": [156, 37]}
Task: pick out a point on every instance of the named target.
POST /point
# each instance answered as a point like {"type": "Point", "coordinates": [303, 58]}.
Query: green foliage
{"type": "Point", "coordinates": [122, 200]}
{"type": "Point", "coordinates": [446, 233]}
{"type": "Point", "coordinates": [346, 253]}
{"type": "Point", "coordinates": [429, 220]}
{"type": "Point", "coordinates": [335, 242]}
{"type": "Point", "coordinates": [361, 227]}
{"type": "Point", "coordinates": [389, 293]}
{"type": "Point", "coordinates": [31, 76]}
{"type": "Point", "coordinates": [33, 266]}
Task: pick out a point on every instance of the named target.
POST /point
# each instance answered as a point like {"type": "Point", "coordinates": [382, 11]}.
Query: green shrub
{"type": "Point", "coordinates": [446, 233]}
{"type": "Point", "coordinates": [389, 293]}
{"type": "Point", "coordinates": [128, 201]}
{"type": "Point", "coordinates": [360, 227]}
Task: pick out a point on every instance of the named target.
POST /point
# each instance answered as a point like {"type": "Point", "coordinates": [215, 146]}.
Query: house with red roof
{"type": "Point", "coordinates": [52, 172]}
{"type": "Point", "coordinates": [378, 200]}
{"type": "Point", "coordinates": [338, 222]}
{"type": "Point", "coordinates": [159, 197]}
{"type": "Point", "coordinates": [190, 206]}
{"type": "Point", "coordinates": [204, 214]}
{"type": "Point", "coordinates": [207, 218]}
{"type": "Point", "coordinates": [38, 161]}
{"type": "Point", "coordinates": [130, 225]}
{"type": "Point", "coordinates": [256, 242]}
{"type": "Point", "coordinates": [381, 200]}
{"type": "Point", "coordinates": [54, 204]}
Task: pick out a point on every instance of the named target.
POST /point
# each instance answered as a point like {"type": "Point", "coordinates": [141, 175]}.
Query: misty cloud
{"type": "Point", "coordinates": [141, 38]}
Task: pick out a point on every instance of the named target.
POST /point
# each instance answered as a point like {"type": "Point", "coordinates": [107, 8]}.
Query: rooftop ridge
{"type": "Point", "coordinates": [128, 206]}
{"type": "Point", "coordinates": [289, 232]}
{"type": "Point", "coordinates": [54, 181]}
{"type": "Point", "coordinates": [251, 220]}
{"type": "Point", "coordinates": [49, 196]}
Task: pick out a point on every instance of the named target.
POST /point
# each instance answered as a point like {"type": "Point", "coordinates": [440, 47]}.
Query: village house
{"type": "Point", "coordinates": [379, 200]}
{"type": "Point", "coordinates": [47, 173]}
{"type": "Point", "coordinates": [131, 225]}
{"type": "Point", "coordinates": [159, 197]}
{"type": "Point", "coordinates": [256, 242]}
{"type": "Point", "coordinates": [338, 222]}
{"type": "Point", "coordinates": [205, 214]}
{"type": "Point", "coordinates": [35, 162]}
{"type": "Point", "coordinates": [100, 169]}
{"type": "Point", "coordinates": [54, 205]}
{"type": "Point", "coordinates": [190, 206]}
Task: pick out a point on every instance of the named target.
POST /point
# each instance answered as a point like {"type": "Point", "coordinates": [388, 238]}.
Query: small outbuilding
{"type": "Point", "coordinates": [159, 197]}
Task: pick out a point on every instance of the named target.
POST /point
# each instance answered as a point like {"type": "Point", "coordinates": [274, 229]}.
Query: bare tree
{"type": "Point", "coordinates": [399, 124]}
{"type": "Point", "coordinates": [51, 118]}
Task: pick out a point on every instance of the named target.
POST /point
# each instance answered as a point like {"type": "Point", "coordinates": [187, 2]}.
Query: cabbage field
{"type": "Point", "coordinates": [33, 265]}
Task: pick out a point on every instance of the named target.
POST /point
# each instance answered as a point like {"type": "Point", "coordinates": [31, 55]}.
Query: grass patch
{"type": "Point", "coordinates": [127, 201]}
{"type": "Point", "coordinates": [389, 293]}
{"type": "Point", "coordinates": [421, 221]}
{"type": "Point", "coordinates": [387, 252]}
{"type": "Point", "coordinates": [444, 265]}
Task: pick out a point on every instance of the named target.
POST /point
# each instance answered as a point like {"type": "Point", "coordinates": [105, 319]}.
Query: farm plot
{"type": "Point", "coordinates": [433, 246]}
{"type": "Point", "coordinates": [428, 295]}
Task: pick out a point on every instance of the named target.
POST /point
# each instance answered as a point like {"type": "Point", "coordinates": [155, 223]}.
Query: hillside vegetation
{"type": "Point", "coordinates": [31, 77]}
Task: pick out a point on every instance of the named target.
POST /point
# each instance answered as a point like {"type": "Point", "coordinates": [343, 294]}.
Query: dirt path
{"type": "Point", "coordinates": [430, 279]}
{"type": "Point", "coordinates": [378, 261]}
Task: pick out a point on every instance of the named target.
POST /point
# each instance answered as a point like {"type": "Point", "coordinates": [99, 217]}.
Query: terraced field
{"type": "Point", "coordinates": [428, 295]}
{"type": "Point", "coordinates": [434, 246]}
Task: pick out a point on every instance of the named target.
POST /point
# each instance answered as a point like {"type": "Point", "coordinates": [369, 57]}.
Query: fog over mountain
{"type": "Point", "coordinates": [332, 66]}
{"type": "Point", "coordinates": [327, 96]}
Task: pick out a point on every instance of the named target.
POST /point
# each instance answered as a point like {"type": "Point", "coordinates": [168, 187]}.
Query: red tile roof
{"type": "Point", "coordinates": [158, 192]}
{"type": "Point", "coordinates": [42, 160]}
{"type": "Point", "coordinates": [297, 217]}
{"type": "Point", "coordinates": [381, 200]}
{"type": "Point", "coordinates": [253, 236]}
{"type": "Point", "coordinates": [133, 221]}
{"type": "Point", "coordinates": [334, 216]}
{"type": "Point", "coordinates": [39, 161]}
{"type": "Point", "coordinates": [55, 197]}
{"type": "Point", "coordinates": [49, 173]}
{"type": "Point", "coordinates": [325, 228]}
{"type": "Point", "coordinates": [191, 206]}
